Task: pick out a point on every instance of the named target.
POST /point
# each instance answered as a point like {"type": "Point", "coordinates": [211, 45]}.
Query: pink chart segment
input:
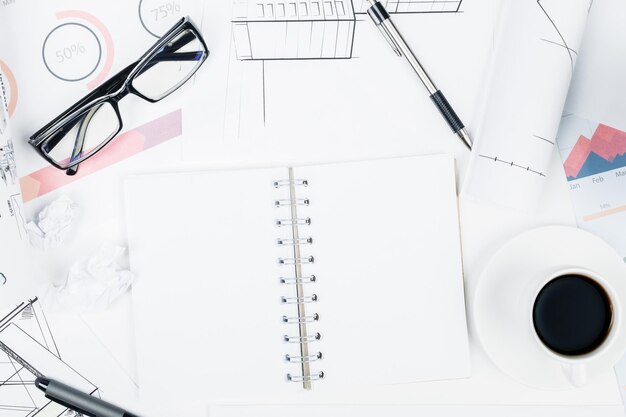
{"type": "Point", "coordinates": [122, 147]}
{"type": "Point", "coordinates": [605, 151]}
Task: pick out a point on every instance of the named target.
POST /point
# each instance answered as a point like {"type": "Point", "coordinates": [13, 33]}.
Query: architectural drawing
{"type": "Point", "coordinates": [561, 39]}
{"type": "Point", "coordinates": [512, 164]}
{"type": "Point", "coordinates": [411, 6]}
{"type": "Point", "coordinates": [8, 175]}
{"type": "Point", "coordinates": [27, 347]}
{"type": "Point", "coordinates": [309, 29]}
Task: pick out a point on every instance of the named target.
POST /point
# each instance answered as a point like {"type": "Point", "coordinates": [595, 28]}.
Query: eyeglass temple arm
{"type": "Point", "coordinates": [79, 144]}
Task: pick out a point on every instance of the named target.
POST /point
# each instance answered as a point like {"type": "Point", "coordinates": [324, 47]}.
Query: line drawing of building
{"type": "Point", "coordinates": [310, 29]}
{"type": "Point", "coordinates": [8, 174]}
{"type": "Point", "coordinates": [27, 344]}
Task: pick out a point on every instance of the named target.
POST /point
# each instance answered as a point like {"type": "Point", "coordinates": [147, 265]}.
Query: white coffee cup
{"type": "Point", "coordinates": [502, 302]}
{"type": "Point", "coordinates": [575, 367]}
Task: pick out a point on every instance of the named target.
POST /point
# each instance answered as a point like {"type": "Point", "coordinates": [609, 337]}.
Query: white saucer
{"type": "Point", "coordinates": [508, 339]}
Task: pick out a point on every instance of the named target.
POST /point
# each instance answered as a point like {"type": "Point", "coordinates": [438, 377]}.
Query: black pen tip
{"type": "Point", "coordinates": [42, 383]}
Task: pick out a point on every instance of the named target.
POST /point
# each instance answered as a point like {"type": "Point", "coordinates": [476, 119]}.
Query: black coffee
{"type": "Point", "coordinates": [572, 315]}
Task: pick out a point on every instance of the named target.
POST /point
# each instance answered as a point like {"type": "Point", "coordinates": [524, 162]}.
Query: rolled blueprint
{"type": "Point", "coordinates": [533, 63]}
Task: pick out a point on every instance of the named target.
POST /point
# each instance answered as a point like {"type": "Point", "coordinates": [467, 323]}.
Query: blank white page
{"type": "Point", "coordinates": [388, 267]}
{"type": "Point", "coordinates": [207, 299]}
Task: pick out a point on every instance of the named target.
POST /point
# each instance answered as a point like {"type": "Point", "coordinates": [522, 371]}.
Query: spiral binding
{"type": "Point", "coordinates": [298, 281]}
{"type": "Point", "coordinates": [296, 202]}
{"type": "Point", "coordinates": [300, 359]}
{"type": "Point", "coordinates": [300, 319]}
{"type": "Point", "coordinates": [305, 221]}
{"type": "Point", "coordinates": [294, 261]}
{"type": "Point", "coordinates": [290, 182]}
{"type": "Point", "coordinates": [298, 241]}
{"type": "Point", "coordinates": [300, 300]}
{"type": "Point", "coordinates": [302, 339]}
{"type": "Point", "coordinates": [305, 378]}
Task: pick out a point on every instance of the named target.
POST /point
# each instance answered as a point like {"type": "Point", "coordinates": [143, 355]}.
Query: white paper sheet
{"type": "Point", "coordinates": [597, 175]}
{"type": "Point", "coordinates": [536, 50]}
{"type": "Point", "coordinates": [302, 96]}
{"type": "Point", "coordinates": [377, 244]}
{"type": "Point", "coordinates": [69, 49]}
{"type": "Point", "coordinates": [207, 298]}
{"type": "Point", "coordinates": [407, 411]}
{"type": "Point", "coordinates": [35, 342]}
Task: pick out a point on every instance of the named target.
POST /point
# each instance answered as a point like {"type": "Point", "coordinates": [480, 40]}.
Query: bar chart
{"type": "Point", "coordinates": [604, 151]}
{"type": "Point", "coordinates": [594, 160]}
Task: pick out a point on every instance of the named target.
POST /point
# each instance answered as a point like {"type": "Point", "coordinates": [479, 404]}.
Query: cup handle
{"type": "Point", "coordinates": [575, 373]}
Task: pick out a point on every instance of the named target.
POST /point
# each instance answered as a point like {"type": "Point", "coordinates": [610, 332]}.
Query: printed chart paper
{"type": "Point", "coordinates": [68, 49]}
{"type": "Point", "coordinates": [592, 134]}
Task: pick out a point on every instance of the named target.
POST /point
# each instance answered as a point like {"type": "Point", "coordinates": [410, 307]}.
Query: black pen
{"type": "Point", "coordinates": [78, 401]}
{"type": "Point", "coordinates": [380, 16]}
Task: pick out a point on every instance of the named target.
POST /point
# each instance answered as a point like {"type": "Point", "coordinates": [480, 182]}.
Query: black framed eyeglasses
{"type": "Point", "coordinates": [90, 124]}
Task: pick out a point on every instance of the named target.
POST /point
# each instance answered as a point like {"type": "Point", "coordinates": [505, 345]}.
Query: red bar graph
{"type": "Point", "coordinates": [607, 143]}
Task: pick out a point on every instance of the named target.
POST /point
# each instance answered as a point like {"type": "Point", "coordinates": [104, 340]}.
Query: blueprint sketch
{"type": "Point", "coordinates": [309, 82]}
{"type": "Point", "coordinates": [27, 350]}
{"type": "Point", "coordinates": [36, 341]}
{"type": "Point", "coordinates": [310, 29]}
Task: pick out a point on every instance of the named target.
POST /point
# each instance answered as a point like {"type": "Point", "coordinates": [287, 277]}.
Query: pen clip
{"type": "Point", "coordinates": [394, 45]}
{"type": "Point", "coordinates": [379, 15]}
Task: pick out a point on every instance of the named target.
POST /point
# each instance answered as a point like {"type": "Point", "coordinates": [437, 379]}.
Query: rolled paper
{"type": "Point", "coordinates": [533, 63]}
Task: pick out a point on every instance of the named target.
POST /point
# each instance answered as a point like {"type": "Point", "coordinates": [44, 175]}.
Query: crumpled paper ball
{"type": "Point", "coordinates": [92, 284]}
{"type": "Point", "coordinates": [53, 223]}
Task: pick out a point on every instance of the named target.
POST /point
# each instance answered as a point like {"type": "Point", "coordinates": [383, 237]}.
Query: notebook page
{"type": "Point", "coordinates": [388, 267]}
{"type": "Point", "coordinates": [207, 299]}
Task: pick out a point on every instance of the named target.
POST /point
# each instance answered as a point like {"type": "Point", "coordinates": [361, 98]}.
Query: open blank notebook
{"type": "Point", "coordinates": [305, 279]}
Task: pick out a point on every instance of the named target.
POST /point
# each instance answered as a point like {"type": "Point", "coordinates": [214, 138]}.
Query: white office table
{"type": "Point", "coordinates": [100, 218]}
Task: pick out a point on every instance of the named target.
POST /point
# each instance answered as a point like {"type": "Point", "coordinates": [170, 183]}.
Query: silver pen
{"type": "Point", "coordinates": [383, 21]}
{"type": "Point", "coordinates": [78, 401]}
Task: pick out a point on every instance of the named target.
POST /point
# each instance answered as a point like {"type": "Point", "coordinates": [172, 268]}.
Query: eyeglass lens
{"type": "Point", "coordinates": [170, 67]}
{"type": "Point", "coordinates": [82, 136]}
